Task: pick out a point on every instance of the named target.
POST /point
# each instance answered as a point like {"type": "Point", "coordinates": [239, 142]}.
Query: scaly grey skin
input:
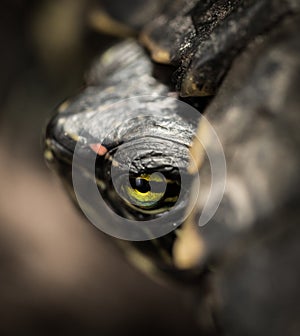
{"type": "Point", "coordinates": [243, 267]}
{"type": "Point", "coordinates": [140, 129]}
{"type": "Point", "coordinates": [91, 117]}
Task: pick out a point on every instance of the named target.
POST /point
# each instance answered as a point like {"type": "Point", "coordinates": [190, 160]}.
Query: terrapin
{"type": "Point", "coordinates": [127, 135]}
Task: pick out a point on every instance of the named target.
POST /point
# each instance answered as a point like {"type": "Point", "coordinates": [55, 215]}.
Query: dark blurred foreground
{"type": "Point", "coordinates": [58, 276]}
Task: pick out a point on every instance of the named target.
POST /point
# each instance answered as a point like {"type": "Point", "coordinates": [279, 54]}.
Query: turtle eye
{"type": "Point", "coordinates": [150, 193]}
{"type": "Point", "coordinates": [145, 191]}
{"type": "Point", "coordinates": [144, 195]}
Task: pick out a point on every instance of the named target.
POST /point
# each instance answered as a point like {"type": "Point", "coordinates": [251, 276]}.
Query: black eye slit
{"type": "Point", "coordinates": [140, 184]}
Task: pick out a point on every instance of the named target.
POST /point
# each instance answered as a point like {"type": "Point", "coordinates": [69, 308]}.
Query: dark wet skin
{"type": "Point", "coordinates": [253, 240]}
{"type": "Point", "coordinates": [204, 37]}
{"type": "Point", "coordinates": [149, 132]}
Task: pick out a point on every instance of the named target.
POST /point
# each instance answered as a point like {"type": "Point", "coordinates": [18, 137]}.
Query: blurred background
{"type": "Point", "coordinates": [58, 274]}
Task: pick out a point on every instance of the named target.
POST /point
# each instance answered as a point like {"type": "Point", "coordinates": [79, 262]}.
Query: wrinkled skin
{"type": "Point", "coordinates": [243, 266]}
{"type": "Point", "coordinates": [203, 37]}
{"type": "Point", "coordinates": [254, 236]}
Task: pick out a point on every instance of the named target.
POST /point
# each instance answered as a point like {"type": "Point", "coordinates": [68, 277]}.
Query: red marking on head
{"type": "Point", "coordinates": [98, 149]}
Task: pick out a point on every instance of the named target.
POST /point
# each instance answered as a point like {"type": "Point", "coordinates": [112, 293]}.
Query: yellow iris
{"type": "Point", "coordinates": [146, 190]}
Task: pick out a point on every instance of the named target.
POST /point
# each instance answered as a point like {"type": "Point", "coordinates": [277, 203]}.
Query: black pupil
{"type": "Point", "coordinates": [140, 184]}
